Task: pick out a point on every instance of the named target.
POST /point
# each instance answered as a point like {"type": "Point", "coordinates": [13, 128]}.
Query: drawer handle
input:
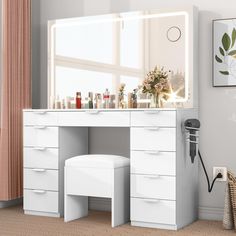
{"type": "Point", "coordinates": [40, 148]}
{"type": "Point", "coordinates": [152, 128]}
{"type": "Point", "coordinates": [39, 170]}
{"type": "Point", "coordinates": [153, 152]}
{"type": "Point", "coordinates": [40, 112]}
{"type": "Point", "coordinates": [39, 191]}
{"type": "Point", "coordinates": [92, 112]}
{"type": "Point", "coordinates": [153, 176]}
{"type": "Point", "coordinates": [40, 127]}
{"type": "Point", "coordinates": [151, 112]}
{"type": "Point", "coordinates": [152, 200]}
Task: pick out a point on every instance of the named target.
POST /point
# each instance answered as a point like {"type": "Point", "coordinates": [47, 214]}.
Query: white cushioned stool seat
{"type": "Point", "coordinates": [97, 176]}
{"type": "Point", "coordinates": [98, 161]}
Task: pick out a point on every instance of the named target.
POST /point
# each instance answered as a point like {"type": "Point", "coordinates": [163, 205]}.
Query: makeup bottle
{"type": "Point", "coordinates": [90, 100]}
{"type": "Point", "coordinates": [106, 98]}
{"type": "Point", "coordinates": [134, 99]}
{"type": "Point", "coordinates": [78, 100]}
{"type": "Point", "coordinates": [68, 102]}
{"type": "Point", "coordinates": [57, 103]}
{"type": "Point", "coordinates": [98, 101]}
{"type": "Point", "coordinates": [112, 102]}
{"type": "Point", "coordinates": [86, 103]}
{"type": "Point", "coordinates": [130, 100]}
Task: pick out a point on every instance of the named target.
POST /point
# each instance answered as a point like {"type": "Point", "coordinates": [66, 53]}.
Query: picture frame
{"type": "Point", "coordinates": [224, 52]}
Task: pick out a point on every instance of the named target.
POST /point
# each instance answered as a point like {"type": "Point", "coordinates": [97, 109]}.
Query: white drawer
{"type": "Point", "coordinates": [40, 200]}
{"type": "Point", "coordinates": [153, 138]}
{"type": "Point", "coordinates": [40, 117]}
{"type": "Point", "coordinates": [95, 118]}
{"type": "Point", "coordinates": [153, 162]}
{"type": "Point", "coordinates": [40, 136]}
{"type": "Point", "coordinates": [153, 118]}
{"type": "Point", "coordinates": [153, 211]}
{"type": "Point", "coordinates": [89, 181]}
{"type": "Point", "coordinates": [41, 157]}
{"type": "Point", "coordinates": [41, 179]}
{"type": "Point", "coordinates": [153, 186]}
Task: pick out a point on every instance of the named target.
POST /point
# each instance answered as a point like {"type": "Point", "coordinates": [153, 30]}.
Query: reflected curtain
{"type": "Point", "coordinates": [15, 93]}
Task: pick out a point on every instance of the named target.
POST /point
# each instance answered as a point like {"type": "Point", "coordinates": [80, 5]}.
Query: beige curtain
{"type": "Point", "coordinates": [15, 93]}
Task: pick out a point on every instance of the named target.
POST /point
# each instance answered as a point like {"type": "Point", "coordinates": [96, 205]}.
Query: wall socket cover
{"type": "Point", "coordinates": [222, 170]}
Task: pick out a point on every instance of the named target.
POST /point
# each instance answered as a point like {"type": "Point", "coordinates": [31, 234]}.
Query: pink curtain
{"type": "Point", "coordinates": [15, 93]}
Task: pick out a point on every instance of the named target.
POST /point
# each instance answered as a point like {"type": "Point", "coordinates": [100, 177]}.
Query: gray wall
{"type": "Point", "coordinates": [217, 105]}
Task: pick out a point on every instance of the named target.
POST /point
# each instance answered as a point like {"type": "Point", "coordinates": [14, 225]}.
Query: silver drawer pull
{"type": "Point", "coordinates": [39, 170]}
{"type": "Point", "coordinates": [40, 112]}
{"type": "Point", "coordinates": [39, 191]}
{"type": "Point", "coordinates": [153, 176]}
{"type": "Point", "coordinates": [152, 200]}
{"type": "Point", "coordinates": [40, 148]}
{"type": "Point", "coordinates": [40, 127]}
{"type": "Point", "coordinates": [92, 112]}
{"type": "Point", "coordinates": [153, 152]}
{"type": "Point", "coordinates": [152, 128]}
{"type": "Point", "coordinates": [153, 112]}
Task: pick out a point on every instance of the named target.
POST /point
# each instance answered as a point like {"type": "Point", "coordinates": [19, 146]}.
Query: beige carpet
{"type": "Point", "coordinates": [14, 222]}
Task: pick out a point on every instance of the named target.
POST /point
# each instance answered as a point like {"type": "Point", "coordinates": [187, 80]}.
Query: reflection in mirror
{"type": "Point", "coordinates": [90, 54]}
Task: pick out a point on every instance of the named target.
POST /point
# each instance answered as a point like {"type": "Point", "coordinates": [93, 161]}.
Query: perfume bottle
{"type": "Point", "coordinates": [106, 98]}
{"type": "Point", "coordinates": [78, 100]}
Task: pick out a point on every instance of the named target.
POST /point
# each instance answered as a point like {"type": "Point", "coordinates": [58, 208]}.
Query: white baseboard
{"type": "Point", "coordinates": [210, 213]}
{"type": "Point", "coordinates": [100, 204]}
{"type": "Point", "coordinates": [4, 204]}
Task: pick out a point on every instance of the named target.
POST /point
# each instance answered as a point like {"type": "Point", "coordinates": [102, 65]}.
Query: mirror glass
{"type": "Point", "coordinates": [90, 54]}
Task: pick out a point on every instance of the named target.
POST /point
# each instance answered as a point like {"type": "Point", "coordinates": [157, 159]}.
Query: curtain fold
{"type": "Point", "coordinates": [15, 94]}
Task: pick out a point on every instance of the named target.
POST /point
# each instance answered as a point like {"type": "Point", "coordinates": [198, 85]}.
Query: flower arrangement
{"type": "Point", "coordinates": [157, 84]}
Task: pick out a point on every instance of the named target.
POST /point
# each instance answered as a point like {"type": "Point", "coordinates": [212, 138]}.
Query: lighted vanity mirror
{"type": "Point", "coordinates": [90, 54]}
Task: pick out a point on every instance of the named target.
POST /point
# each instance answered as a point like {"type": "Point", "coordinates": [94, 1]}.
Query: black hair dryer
{"type": "Point", "coordinates": [192, 126]}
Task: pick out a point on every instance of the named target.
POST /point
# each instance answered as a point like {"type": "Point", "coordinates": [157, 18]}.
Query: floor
{"type": "Point", "coordinates": [14, 222]}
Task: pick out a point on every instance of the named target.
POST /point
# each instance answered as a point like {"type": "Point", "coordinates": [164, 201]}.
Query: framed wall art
{"type": "Point", "coordinates": [224, 52]}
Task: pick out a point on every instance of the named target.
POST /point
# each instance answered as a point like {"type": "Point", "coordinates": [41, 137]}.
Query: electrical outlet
{"type": "Point", "coordinates": [222, 170]}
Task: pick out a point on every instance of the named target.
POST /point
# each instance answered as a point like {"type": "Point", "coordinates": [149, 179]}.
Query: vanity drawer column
{"type": "Point", "coordinates": [153, 168]}
{"type": "Point", "coordinates": [41, 163]}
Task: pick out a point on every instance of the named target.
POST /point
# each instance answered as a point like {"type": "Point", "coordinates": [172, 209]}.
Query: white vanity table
{"type": "Point", "coordinates": [163, 187]}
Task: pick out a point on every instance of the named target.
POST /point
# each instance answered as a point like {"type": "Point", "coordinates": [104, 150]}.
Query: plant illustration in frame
{"type": "Point", "coordinates": [224, 66]}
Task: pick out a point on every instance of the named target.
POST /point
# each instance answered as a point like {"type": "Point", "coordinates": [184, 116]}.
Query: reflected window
{"type": "Point", "coordinates": [70, 80]}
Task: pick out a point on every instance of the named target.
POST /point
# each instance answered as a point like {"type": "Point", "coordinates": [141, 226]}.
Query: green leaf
{"type": "Point", "coordinates": [232, 53]}
{"type": "Point", "coordinates": [218, 59]}
{"type": "Point", "coordinates": [224, 72]}
{"type": "Point", "coordinates": [233, 37]}
{"type": "Point", "coordinates": [226, 42]}
{"type": "Point", "coordinates": [222, 52]}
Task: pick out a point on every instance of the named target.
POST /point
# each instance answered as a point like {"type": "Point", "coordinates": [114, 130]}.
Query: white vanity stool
{"type": "Point", "coordinates": [97, 176]}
